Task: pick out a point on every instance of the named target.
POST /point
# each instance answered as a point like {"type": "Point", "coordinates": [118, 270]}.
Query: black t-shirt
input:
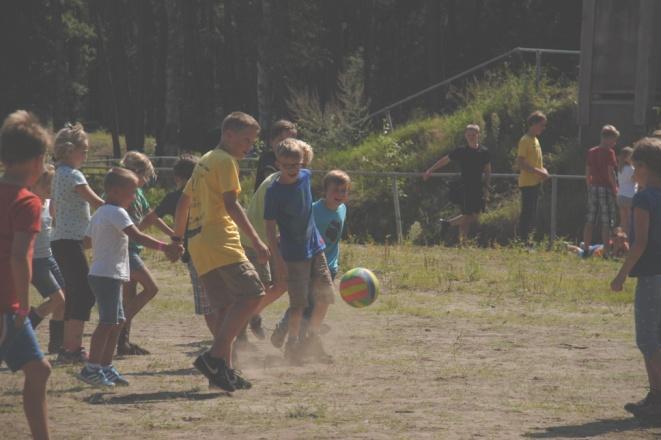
{"type": "Point", "coordinates": [265, 167]}
{"type": "Point", "coordinates": [471, 162]}
{"type": "Point", "coordinates": [649, 199]}
{"type": "Point", "coordinates": [168, 205]}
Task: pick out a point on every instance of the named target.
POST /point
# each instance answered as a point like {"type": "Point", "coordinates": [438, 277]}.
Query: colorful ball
{"type": "Point", "coordinates": [359, 287]}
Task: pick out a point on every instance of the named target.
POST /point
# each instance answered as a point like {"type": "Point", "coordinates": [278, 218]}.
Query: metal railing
{"type": "Point", "coordinates": [517, 50]}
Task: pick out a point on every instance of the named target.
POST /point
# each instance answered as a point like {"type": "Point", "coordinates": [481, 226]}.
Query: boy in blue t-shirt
{"type": "Point", "coordinates": [299, 256]}
{"type": "Point", "coordinates": [642, 262]}
{"type": "Point", "coordinates": [329, 216]}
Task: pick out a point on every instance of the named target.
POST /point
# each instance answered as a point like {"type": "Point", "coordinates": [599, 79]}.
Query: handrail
{"type": "Point", "coordinates": [467, 72]}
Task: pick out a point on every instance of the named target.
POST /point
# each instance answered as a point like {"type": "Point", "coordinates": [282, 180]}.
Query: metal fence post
{"type": "Point", "coordinates": [538, 69]}
{"type": "Point", "coordinates": [391, 127]}
{"type": "Point", "coordinates": [554, 208]}
{"type": "Point", "coordinates": [398, 212]}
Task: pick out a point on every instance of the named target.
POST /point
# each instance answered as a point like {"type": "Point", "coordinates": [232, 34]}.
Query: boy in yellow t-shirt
{"type": "Point", "coordinates": [531, 172]}
{"type": "Point", "coordinates": [210, 204]}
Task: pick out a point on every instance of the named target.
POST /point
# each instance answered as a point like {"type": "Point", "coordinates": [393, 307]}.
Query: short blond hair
{"type": "Point", "coordinates": [118, 178]}
{"type": "Point", "coordinates": [237, 121]}
{"type": "Point", "coordinates": [139, 163]}
{"type": "Point", "coordinates": [308, 153]}
{"type": "Point", "coordinates": [70, 138]}
{"type": "Point", "coordinates": [23, 138]}
{"type": "Point", "coordinates": [291, 147]}
{"type": "Point", "coordinates": [473, 127]}
{"type": "Point", "coordinates": [336, 177]}
{"type": "Point", "coordinates": [609, 131]}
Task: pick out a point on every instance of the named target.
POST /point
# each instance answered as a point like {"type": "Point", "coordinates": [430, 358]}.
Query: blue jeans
{"type": "Point", "coordinates": [17, 346]}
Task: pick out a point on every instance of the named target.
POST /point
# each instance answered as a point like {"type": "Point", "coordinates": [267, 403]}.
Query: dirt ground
{"type": "Point", "coordinates": [480, 367]}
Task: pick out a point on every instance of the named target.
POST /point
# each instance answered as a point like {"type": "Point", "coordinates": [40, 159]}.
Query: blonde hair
{"type": "Point", "coordinates": [119, 177]}
{"type": "Point", "coordinates": [291, 147]}
{"type": "Point", "coordinates": [308, 153]}
{"type": "Point", "coordinates": [237, 121]}
{"type": "Point", "coordinates": [69, 139]}
{"type": "Point", "coordinates": [46, 178]}
{"type": "Point", "coordinates": [336, 177]}
{"type": "Point", "coordinates": [23, 138]}
{"type": "Point", "coordinates": [625, 153]}
{"type": "Point", "coordinates": [473, 127]}
{"type": "Point", "coordinates": [139, 163]}
{"type": "Point", "coordinates": [609, 131]}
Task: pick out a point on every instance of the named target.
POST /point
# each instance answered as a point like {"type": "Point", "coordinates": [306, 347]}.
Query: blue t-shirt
{"type": "Point", "coordinates": [330, 225]}
{"type": "Point", "coordinates": [291, 207]}
{"type": "Point", "coordinates": [649, 263]}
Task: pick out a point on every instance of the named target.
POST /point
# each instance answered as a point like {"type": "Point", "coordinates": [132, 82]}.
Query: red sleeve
{"type": "Point", "coordinates": [26, 214]}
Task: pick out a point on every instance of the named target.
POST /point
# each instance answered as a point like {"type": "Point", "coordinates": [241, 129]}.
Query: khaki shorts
{"type": "Point", "coordinates": [226, 285]}
{"type": "Point", "coordinates": [310, 278]}
{"type": "Point", "coordinates": [263, 270]}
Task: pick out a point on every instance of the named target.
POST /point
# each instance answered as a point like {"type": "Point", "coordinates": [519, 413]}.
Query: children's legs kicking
{"type": "Point", "coordinates": [54, 304]}
{"type": "Point", "coordinates": [34, 397]}
{"type": "Point", "coordinates": [100, 340]}
{"type": "Point", "coordinates": [229, 326]}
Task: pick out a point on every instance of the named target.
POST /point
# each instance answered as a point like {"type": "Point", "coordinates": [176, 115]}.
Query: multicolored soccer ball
{"type": "Point", "coordinates": [359, 287]}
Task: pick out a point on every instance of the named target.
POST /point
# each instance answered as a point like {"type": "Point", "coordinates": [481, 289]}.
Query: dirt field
{"type": "Point", "coordinates": [494, 344]}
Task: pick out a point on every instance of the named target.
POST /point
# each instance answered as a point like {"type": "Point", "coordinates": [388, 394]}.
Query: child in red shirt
{"type": "Point", "coordinates": [23, 144]}
{"type": "Point", "coordinates": [601, 183]}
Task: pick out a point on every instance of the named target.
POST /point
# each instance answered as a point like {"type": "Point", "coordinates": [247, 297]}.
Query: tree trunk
{"type": "Point", "coordinates": [60, 105]}
{"type": "Point", "coordinates": [173, 79]}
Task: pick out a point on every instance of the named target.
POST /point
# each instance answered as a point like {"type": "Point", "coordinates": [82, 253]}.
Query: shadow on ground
{"type": "Point", "coordinates": [596, 428]}
{"type": "Point", "coordinates": [161, 396]}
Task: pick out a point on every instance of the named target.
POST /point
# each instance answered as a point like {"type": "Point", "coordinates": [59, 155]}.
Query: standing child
{"type": "Point", "coordinates": [183, 170]}
{"type": "Point", "coordinates": [329, 213]}
{"type": "Point", "coordinates": [46, 275]}
{"type": "Point", "coordinates": [266, 166]}
{"type": "Point", "coordinates": [23, 144]}
{"type": "Point", "coordinates": [72, 197]}
{"type": "Point", "coordinates": [299, 253]}
{"type": "Point", "coordinates": [642, 262]}
{"type": "Point", "coordinates": [229, 279]}
{"type": "Point", "coordinates": [531, 172]}
{"type": "Point", "coordinates": [627, 187]}
{"type": "Point", "coordinates": [140, 164]}
{"type": "Point", "coordinates": [600, 172]}
{"type": "Point", "coordinates": [110, 229]}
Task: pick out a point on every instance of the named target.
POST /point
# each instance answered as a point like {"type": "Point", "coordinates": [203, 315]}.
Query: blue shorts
{"type": "Point", "coordinates": [647, 310]}
{"type": "Point", "coordinates": [135, 262]}
{"type": "Point", "coordinates": [108, 293]}
{"type": "Point", "coordinates": [46, 276]}
{"type": "Point", "coordinates": [17, 346]}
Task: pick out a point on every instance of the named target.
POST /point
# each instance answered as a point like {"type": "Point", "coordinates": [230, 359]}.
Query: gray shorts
{"type": "Point", "coordinates": [202, 306]}
{"type": "Point", "coordinates": [310, 278]}
{"type": "Point", "coordinates": [647, 310]}
{"type": "Point", "coordinates": [46, 276]}
{"type": "Point", "coordinates": [263, 270]}
{"type": "Point", "coordinates": [227, 284]}
{"type": "Point", "coordinates": [108, 293]}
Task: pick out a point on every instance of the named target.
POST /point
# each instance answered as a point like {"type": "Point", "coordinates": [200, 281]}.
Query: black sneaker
{"type": "Point", "coordinates": [445, 225]}
{"type": "Point", "coordinates": [215, 370]}
{"type": "Point", "coordinates": [256, 327]}
{"type": "Point", "coordinates": [650, 406]}
{"type": "Point", "coordinates": [240, 383]}
{"type": "Point", "coordinates": [76, 357]}
{"type": "Point", "coordinates": [279, 335]}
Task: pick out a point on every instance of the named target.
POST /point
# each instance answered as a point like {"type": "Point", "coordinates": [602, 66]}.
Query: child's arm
{"type": "Point", "coordinates": [524, 165]}
{"type": "Point", "coordinates": [20, 261]}
{"type": "Point", "coordinates": [89, 196]}
{"type": "Point", "coordinates": [172, 250]}
{"type": "Point", "coordinates": [153, 218]}
{"type": "Point", "coordinates": [281, 267]}
{"type": "Point", "coordinates": [443, 161]}
{"type": "Point", "coordinates": [236, 212]}
{"type": "Point", "coordinates": [641, 221]}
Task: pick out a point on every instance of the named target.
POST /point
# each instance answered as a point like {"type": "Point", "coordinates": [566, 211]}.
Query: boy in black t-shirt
{"type": "Point", "coordinates": [474, 162]}
{"type": "Point", "coordinates": [280, 131]}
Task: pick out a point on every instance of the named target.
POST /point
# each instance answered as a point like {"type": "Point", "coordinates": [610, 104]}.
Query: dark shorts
{"type": "Point", "coordinates": [17, 346]}
{"type": "Point", "coordinates": [108, 293]}
{"type": "Point", "coordinates": [263, 270]}
{"type": "Point", "coordinates": [227, 284]}
{"type": "Point", "coordinates": [473, 201]}
{"type": "Point", "coordinates": [135, 262]}
{"type": "Point", "coordinates": [79, 299]}
{"type": "Point", "coordinates": [46, 276]}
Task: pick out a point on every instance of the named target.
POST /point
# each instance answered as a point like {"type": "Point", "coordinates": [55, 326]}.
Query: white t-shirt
{"type": "Point", "coordinates": [110, 244]}
{"type": "Point", "coordinates": [628, 187]}
{"type": "Point", "coordinates": [42, 241]}
{"type": "Point", "coordinates": [72, 212]}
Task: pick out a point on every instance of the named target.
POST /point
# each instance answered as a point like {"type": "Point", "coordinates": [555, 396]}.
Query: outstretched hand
{"type": "Point", "coordinates": [173, 251]}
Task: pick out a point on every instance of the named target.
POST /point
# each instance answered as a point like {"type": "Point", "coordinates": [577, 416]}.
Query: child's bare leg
{"type": "Point", "coordinates": [109, 350]}
{"type": "Point", "coordinates": [587, 236]}
{"type": "Point", "coordinates": [53, 303]}
{"type": "Point", "coordinates": [100, 339]}
{"type": "Point", "coordinates": [295, 317]}
{"type": "Point", "coordinates": [272, 293]}
{"type": "Point", "coordinates": [73, 334]}
{"type": "Point", "coordinates": [34, 397]}
{"type": "Point", "coordinates": [227, 328]}
{"type": "Point", "coordinates": [58, 312]}
{"type": "Point", "coordinates": [318, 315]}
{"type": "Point", "coordinates": [135, 302]}
{"type": "Point", "coordinates": [211, 319]}
{"type": "Point", "coordinates": [624, 219]}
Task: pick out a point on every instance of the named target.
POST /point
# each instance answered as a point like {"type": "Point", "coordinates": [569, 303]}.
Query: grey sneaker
{"type": "Point", "coordinates": [96, 378]}
{"type": "Point", "coordinates": [114, 376]}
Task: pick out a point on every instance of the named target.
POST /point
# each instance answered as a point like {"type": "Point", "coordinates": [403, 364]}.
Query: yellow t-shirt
{"type": "Point", "coordinates": [213, 236]}
{"type": "Point", "coordinates": [531, 151]}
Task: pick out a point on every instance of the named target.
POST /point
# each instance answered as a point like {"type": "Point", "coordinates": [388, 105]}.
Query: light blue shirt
{"type": "Point", "coordinates": [330, 225]}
